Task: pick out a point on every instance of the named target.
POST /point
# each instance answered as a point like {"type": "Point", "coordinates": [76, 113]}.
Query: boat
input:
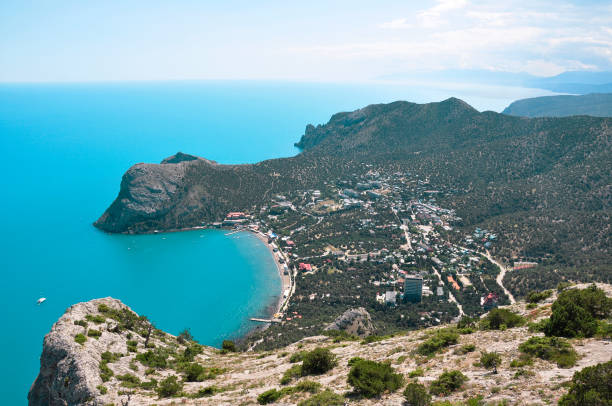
{"type": "Point", "coordinates": [41, 300]}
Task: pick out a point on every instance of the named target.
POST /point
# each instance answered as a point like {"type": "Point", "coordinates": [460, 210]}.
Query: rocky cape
{"type": "Point", "coordinates": [124, 361]}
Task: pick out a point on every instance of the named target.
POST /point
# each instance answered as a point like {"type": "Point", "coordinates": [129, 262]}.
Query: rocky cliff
{"type": "Point", "coordinates": [121, 360]}
{"type": "Point", "coordinates": [354, 321]}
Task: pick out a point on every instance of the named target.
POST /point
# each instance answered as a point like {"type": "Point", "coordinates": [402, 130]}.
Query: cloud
{"type": "Point", "coordinates": [432, 17]}
{"type": "Point", "coordinates": [398, 23]}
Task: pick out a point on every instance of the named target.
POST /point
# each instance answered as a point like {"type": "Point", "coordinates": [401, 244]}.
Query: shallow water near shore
{"type": "Point", "coordinates": [64, 150]}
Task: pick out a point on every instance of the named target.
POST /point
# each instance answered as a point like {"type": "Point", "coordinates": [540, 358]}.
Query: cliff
{"type": "Point", "coordinates": [129, 363]}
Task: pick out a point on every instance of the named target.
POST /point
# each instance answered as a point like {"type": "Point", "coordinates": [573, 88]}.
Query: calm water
{"type": "Point", "coordinates": [64, 149]}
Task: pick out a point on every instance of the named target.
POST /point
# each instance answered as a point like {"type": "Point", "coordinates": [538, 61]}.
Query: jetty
{"type": "Point", "coordinates": [265, 320]}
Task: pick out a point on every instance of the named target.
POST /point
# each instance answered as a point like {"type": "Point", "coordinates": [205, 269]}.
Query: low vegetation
{"type": "Point", "coordinates": [442, 338]}
{"type": "Point", "coordinates": [552, 349]}
{"type": "Point", "coordinates": [590, 387]}
{"type": "Point", "coordinates": [416, 394]}
{"type": "Point", "coordinates": [501, 319]}
{"type": "Point", "coordinates": [370, 378]}
{"type": "Point", "coordinates": [448, 382]}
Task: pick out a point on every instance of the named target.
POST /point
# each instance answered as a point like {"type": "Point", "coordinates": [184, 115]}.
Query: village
{"type": "Point", "coordinates": [378, 241]}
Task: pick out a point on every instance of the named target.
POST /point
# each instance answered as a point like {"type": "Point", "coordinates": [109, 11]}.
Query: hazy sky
{"type": "Point", "coordinates": [83, 40]}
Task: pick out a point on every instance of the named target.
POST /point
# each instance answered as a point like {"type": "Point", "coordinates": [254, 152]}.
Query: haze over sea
{"type": "Point", "coordinates": [64, 150]}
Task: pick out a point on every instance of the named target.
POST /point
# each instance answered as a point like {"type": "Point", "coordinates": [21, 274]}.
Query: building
{"type": "Point", "coordinates": [305, 267]}
{"type": "Point", "coordinates": [524, 265]}
{"type": "Point", "coordinates": [413, 288]}
{"type": "Point", "coordinates": [390, 297]}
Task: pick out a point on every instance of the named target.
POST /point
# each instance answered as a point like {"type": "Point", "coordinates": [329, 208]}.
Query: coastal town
{"type": "Point", "coordinates": [380, 241]}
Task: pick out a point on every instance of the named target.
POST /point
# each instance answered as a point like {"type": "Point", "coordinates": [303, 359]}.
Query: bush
{"type": "Point", "coordinates": [228, 345]}
{"type": "Point", "coordinates": [464, 349]}
{"type": "Point", "coordinates": [318, 361]}
{"type": "Point", "coordinates": [81, 323]}
{"type": "Point", "coordinates": [152, 359]}
{"type": "Point", "coordinates": [185, 337]}
{"type": "Point", "coordinates": [204, 392]}
{"type": "Point", "coordinates": [416, 373]}
{"type": "Point", "coordinates": [536, 297]}
{"type": "Point", "coordinates": [370, 378]}
{"type": "Point", "coordinates": [490, 360]}
{"type": "Point", "coordinates": [191, 351]}
{"type": "Point", "coordinates": [308, 386]}
{"type": "Point", "coordinates": [353, 360]}
{"type": "Point", "coordinates": [169, 387]}
{"type": "Point", "coordinates": [500, 319]}
{"type": "Point", "coordinates": [94, 333]}
{"type": "Point", "coordinates": [98, 318]}
{"type": "Point", "coordinates": [297, 357]}
{"type": "Point", "coordinates": [80, 338]}
{"type": "Point", "coordinates": [294, 372]}
{"type": "Point", "coordinates": [416, 395]}
{"type": "Point", "coordinates": [590, 387]}
{"type": "Point", "coordinates": [449, 381]}
{"type": "Point", "coordinates": [269, 396]}
{"type": "Point", "coordinates": [129, 380]}
{"type": "Point", "coordinates": [194, 372]}
{"type": "Point", "coordinates": [440, 339]}
{"type": "Point", "coordinates": [149, 385]}
{"type": "Point", "coordinates": [575, 312]}
{"type": "Point", "coordinates": [325, 398]}
{"type": "Point", "coordinates": [552, 349]}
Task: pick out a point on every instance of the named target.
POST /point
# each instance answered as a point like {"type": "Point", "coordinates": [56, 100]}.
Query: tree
{"type": "Point", "coordinates": [370, 378]}
{"type": "Point", "coordinates": [490, 360]}
{"type": "Point", "coordinates": [169, 387]}
{"type": "Point", "coordinates": [318, 361]}
{"type": "Point", "coordinates": [590, 387]}
{"type": "Point", "coordinates": [228, 345]}
{"type": "Point", "coordinates": [448, 382]}
{"type": "Point", "coordinates": [416, 395]}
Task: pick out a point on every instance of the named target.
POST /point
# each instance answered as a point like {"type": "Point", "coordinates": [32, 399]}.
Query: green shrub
{"type": "Point", "coordinates": [294, 372]}
{"type": "Point", "coordinates": [562, 286]}
{"type": "Point", "coordinates": [416, 395]}
{"type": "Point", "coordinates": [522, 361]}
{"type": "Point", "coordinates": [154, 359]}
{"type": "Point", "coordinates": [169, 387]}
{"type": "Point", "coordinates": [575, 312]}
{"type": "Point", "coordinates": [105, 372]}
{"type": "Point", "coordinates": [353, 360]}
{"type": "Point", "coordinates": [108, 356]}
{"type": "Point", "coordinates": [370, 378]}
{"type": "Point", "coordinates": [102, 389]}
{"type": "Point", "coordinates": [340, 335]}
{"type": "Point", "coordinates": [194, 372]}
{"type": "Point", "coordinates": [81, 323]}
{"type": "Point", "coordinates": [80, 338]}
{"type": "Point", "coordinates": [490, 360]}
{"type": "Point", "coordinates": [467, 322]}
{"type": "Point", "coordinates": [191, 351]}
{"type": "Point", "coordinates": [374, 338]}
{"type": "Point", "coordinates": [207, 391]}
{"type": "Point", "coordinates": [590, 387]}
{"type": "Point", "coordinates": [185, 337]}
{"type": "Point", "coordinates": [325, 398]}
{"type": "Point", "coordinates": [552, 349]}
{"type": "Point", "coordinates": [537, 297]}
{"type": "Point", "coordinates": [297, 357]}
{"type": "Point", "coordinates": [98, 318]}
{"type": "Point", "coordinates": [94, 333]}
{"type": "Point", "coordinates": [228, 345]}
{"type": "Point", "coordinates": [318, 361]}
{"type": "Point", "coordinates": [500, 319]}
{"type": "Point", "coordinates": [308, 386]}
{"type": "Point", "coordinates": [269, 396]}
{"type": "Point", "coordinates": [442, 338]}
{"type": "Point", "coordinates": [465, 349]}
{"type": "Point", "coordinates": [416, 373]}
{"type": "Point", "coordinates": [149, 385]}
{"type": "Point", "coordinates": [604, 329]}
{"type": "Point", "coordinates": [448, 382]}
{"type": "Point", "coordinates": [132, 346]}
{"type": "Point", "coordinates": [129, 380]}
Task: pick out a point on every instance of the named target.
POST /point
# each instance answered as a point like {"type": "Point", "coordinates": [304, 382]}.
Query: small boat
{"type": "Point", "coordinates": [41, 300]}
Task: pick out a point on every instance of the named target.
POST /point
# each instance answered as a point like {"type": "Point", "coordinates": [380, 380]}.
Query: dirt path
{"type": "Point", "coordinates": [500, 276]}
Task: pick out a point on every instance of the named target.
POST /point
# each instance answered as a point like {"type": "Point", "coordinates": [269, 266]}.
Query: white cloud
{"type": "Point", "coordinates": [398, 23]}
{"type": "Point", "coordinates": [432, 17]}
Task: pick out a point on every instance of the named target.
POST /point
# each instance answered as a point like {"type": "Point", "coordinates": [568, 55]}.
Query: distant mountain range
{"type": "Point", "coordinates": [574, 82]}
{"type": "Point", "coordinates": [596, 104]}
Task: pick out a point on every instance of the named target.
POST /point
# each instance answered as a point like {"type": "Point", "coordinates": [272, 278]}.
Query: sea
{"type": "Point", "coordinates": [64, 148]}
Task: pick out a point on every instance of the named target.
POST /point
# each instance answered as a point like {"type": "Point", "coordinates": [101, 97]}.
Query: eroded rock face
{"type": "Point", "coordinates": [354, 321]}
{"type": "Point", "coordinates": [148, 192]}
{"type": "Point", "coordinates": [69, 371]}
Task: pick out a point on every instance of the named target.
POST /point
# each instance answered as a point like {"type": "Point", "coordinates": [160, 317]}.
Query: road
{"type": "Point", "coordinates": [500, 276]}
{"type": "Point", "coordinates": [450, 294]}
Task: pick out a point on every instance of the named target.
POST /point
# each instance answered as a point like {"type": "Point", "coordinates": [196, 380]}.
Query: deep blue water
{"type": "Point", "coordinates": [64, 149]}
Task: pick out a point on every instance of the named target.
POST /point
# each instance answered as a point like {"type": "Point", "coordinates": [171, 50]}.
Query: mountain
{"type": "Point", "coordinates": [543, 184]}
{"type": "Point", "coordinates": [101, 353]}
{"type": "Point", "coordinates": [575, 82]}
{"type": "Point", "coordinates": [597, 104]}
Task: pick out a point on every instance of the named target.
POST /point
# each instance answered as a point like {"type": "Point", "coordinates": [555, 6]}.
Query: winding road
{"type": "Point", "coordinates": [500, 276]}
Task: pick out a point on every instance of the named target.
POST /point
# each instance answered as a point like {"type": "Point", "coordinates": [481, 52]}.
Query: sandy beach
{"type": "Point", "coordinates": [285, 279]}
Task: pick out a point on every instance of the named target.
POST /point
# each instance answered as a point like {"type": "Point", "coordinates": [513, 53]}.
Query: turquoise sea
{"type": "Point", "coordinates": [64, 148]}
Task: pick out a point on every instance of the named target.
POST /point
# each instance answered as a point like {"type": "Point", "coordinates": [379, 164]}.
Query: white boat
{"type": "Point", "coordinates": [42, 299]}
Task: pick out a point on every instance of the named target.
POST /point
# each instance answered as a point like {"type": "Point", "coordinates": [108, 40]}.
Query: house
{"type": "Point", "coordinates": [390, 297]}
{"type": "Point", "coordinates": [490, 301]}
{"type": "Point", "coordinates": [453, 283]}
{"type": "Point", "coordinates": [304, 267]}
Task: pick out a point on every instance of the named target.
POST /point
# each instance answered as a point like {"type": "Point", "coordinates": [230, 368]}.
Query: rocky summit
{"type": "Point", "coordinates": [102, 353]}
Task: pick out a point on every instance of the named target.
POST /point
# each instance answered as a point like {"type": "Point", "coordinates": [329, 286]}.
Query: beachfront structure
{"type": "Point", "coordinates": [413, 288]}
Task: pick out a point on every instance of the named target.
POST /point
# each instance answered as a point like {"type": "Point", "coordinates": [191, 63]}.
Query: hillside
{"type": "Point", "coordinates": [542, 184]}
{"type": "Point", "coordinates": [596, 104]}
{"type": "Point", "coordinates": [101, 352]}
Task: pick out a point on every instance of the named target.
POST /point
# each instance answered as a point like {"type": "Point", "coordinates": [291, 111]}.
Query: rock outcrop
{"type": "Point", "coordinates": [354, 321]}
{"type": "Point", "coordinates": [69, 371]}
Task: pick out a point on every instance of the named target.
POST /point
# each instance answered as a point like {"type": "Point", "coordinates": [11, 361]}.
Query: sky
{"type": "Point", "coordinates": [87, 40]}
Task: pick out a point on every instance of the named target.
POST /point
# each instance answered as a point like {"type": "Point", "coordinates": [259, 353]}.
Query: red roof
{"type": "Point", "coordinates": [305, 267]}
